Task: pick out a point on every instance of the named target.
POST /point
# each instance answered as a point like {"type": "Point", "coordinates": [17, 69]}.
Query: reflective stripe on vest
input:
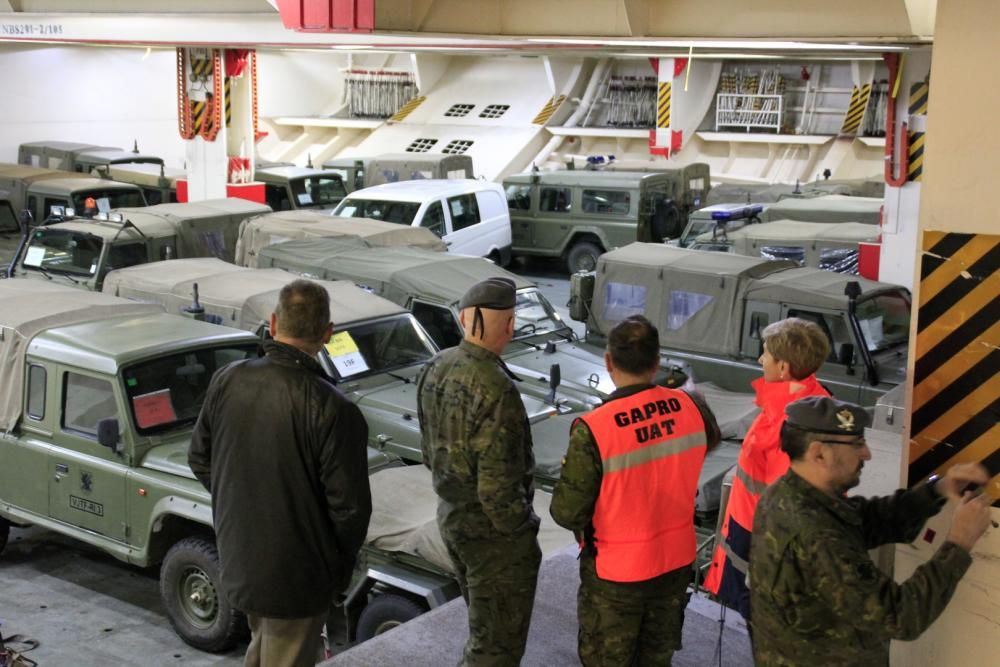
{"type": "Point", "coordinates": [754, 486]}
{"type": "Point", "coordinates": [652, 446]}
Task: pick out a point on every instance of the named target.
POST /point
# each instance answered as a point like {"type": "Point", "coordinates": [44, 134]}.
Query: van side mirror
{"type": "Point", "coordinates": [108, 433]}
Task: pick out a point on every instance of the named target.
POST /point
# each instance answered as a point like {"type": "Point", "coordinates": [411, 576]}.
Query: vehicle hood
{"type": "Point", "coordinates": [581, 370]}
{"type": "Point", "coordinates": [170, 457]}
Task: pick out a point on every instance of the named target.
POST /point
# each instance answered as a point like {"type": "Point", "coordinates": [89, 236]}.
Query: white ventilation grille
{"type": "Point", "coordinates": [494, 111]}
{"type": "Point", "coordinates": [459, 110]}
{"type": "Point", "coordinates": [457, 146]}
{"type": "Point", "coordinates": [421, 145]}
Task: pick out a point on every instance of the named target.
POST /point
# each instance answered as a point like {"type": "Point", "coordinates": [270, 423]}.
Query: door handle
{"type": "Point", "coordinates": [61, 471]}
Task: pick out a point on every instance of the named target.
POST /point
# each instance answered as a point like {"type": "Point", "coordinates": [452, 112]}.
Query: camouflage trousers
{"type": "Point", "coordinates": [497, 579]}
{"type": "Point", "coordinates": [635, 623]}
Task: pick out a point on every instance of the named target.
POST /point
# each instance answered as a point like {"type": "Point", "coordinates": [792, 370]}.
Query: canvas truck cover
{"type": "Point", "coordinates": [828, 208]}
{"type": "Point", "coordinates": [266, 230]}
{"type": "Point", "coordinates": [404, 517]}
{"type": "Point", "coordinates": [204, 229]}
{"type": "Point", "coordinates": [243, 297]}
{"type": "Point", "coordinates": [29, 307]}
{"type": "Point", "coordinates": [691, 296]}
{"type": "Point", "coordinates": [395, 273]}
{"type": "Point", "coordinates": [811, 287]}
{"type": "Point", "coordinates": [780, 232]}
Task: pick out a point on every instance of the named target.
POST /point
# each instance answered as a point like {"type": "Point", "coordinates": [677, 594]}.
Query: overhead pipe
{"type": "Point", "coordinates": [894, 62]}
{"type": "Point", "coordinates": [585, 103]}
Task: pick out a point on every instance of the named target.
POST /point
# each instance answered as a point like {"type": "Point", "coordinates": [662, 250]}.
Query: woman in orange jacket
{"type": "Point", "coordinates": [794, 349]}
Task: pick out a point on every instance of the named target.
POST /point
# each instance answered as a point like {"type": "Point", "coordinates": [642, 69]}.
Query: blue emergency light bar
{"type": "Point", "coordinates": [747, 211]}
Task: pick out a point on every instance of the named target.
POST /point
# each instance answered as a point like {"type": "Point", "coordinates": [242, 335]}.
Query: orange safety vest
{"type": "Point", "coordinates": [761, 463]}
{"type": "Point", "coordinates": [652, 447]}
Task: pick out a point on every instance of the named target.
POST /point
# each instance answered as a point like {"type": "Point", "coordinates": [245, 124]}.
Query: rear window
{"type": "Point", "coordinates": [684, 306]}
{"type": "Point", "coordinates": [622, 300]}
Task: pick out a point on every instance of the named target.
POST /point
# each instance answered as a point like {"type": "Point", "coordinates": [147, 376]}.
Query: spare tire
{"type": "Point", "coordinates": [385, 612]}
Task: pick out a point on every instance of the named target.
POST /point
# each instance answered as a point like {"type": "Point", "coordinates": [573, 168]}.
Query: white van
{"type": "Point", "coordinates": [471, 216]}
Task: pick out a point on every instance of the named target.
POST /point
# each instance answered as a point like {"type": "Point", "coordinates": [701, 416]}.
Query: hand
{"type": "Point", "coordinates": [959, 477]}
{"type": "Point", "coordinates": [972, 518]}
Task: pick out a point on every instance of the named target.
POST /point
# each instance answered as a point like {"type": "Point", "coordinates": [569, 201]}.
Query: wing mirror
{"type": "Point", "coordinates": [846, 357]}
{"type": "Point", "coordinates": [108, 433]}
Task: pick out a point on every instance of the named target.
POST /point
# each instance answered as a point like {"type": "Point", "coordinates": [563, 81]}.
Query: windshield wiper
{"type": "Point", "coordinates": [40, 270]}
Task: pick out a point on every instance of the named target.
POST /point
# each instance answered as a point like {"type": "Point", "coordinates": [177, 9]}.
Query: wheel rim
{"type": "Point", "coordinates": [586, 262]}
{"type": "Point", "coordinates": [198, 598]}
{"type": "Point", "coordinates": [385, 626]}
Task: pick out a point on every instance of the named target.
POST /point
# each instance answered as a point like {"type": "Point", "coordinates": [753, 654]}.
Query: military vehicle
{"type": "Point", "coordinates": [10, 235]}
{"type": "Point", "coordinates": [768, 193]}
{"type": "Point", "coordinates": [261, 231]}
{"type": "Point", "coordinates": [825, 245]}
{"type": "Point", "coordinates": [717, 219]}
{"type": "Point", "coordinates": [287, 188]}
{"type": "Point", "coordinates": [83, 158]}
{"type": "Point", "coordinates": [576, 215]}
{"type": "Point", "coordinates": [81, 251]}
{"type": "Point", "coordinates": [95, 424]}
{"type": "Point", "coordinates": [827, 208]}
{"type": "Point", "coordinates": [39, 190]}
{"type": "Point", "coordinates": [157, 182]}
{"type": "Point", "coordinates": [711, 307]}
{"type": "Point", "coordinates": [363, 172]}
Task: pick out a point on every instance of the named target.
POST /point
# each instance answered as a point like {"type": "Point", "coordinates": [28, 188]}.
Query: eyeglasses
{"type": "Point", "coordinates": [860, 442]}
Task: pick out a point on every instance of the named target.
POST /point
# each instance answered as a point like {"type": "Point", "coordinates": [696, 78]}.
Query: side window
{"type": "Point", "coordinates": [8, 222]}
{"type": "Point", "coordinates": [277, 197]}
{"type": "Point", "coordinates": [684, 306]}
{"type": "Point", "coordinates": [464, 211]}
{"type": "Point", "coordinates": [359, 179]}
{"type": "Point", "coordinates": [87, 401]}
{"type": "Point", "coordinates": [554, 200]}
{"type": "Point", "coordinates": [622, 300]}
{"type": "Point", "coordinates": [36, 391]}
{"type": "Point", "coordinates": [32, 205]}
{"type": "Point", "coordinates": [439, 323]}
{"type": "Point", "coordinates": [519, 197]}
{"type": "Point", "coordinates": [153, 196]}
{"type": "Point", "coordinates": [434, 219]}
{"type": "Point", "coordinates": [123, 255]}
{"type": "Point", "coordinates": [49, 203]}
{"type": "Point", "coordinates": [607, 202]}
{"type": "Point", "coordinates": [835, 329]}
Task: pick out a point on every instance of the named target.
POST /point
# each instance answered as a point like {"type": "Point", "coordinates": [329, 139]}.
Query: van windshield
{"type": "Point", "coordinates": [400, 212]}
{"type": "Point", "coordinates": [317, 191]}
{"type": "Point", "coordinates": [116, 198]}
{"type": "Point", "coordinates": [63, 251]}
{"type": "Point", "coordinates": [168, 391]}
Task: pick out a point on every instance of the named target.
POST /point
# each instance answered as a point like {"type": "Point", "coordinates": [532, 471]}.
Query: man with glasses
{"type": "Point", "coordinates": [815, 594]}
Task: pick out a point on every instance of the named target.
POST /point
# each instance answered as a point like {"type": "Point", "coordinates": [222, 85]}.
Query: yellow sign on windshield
{"type": "Point", "coordinates": [341, 344]}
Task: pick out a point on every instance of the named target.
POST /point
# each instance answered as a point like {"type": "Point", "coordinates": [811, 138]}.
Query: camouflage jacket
{"type": "Point", "coordinates": [576, 492]}
{"type": "Point", "coordinates": [815, 594]}
{"type": "Point", "coordinates": [476, 440]}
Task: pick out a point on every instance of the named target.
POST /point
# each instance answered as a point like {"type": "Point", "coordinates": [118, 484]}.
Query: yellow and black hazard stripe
{"type": "Point", "coordinates": [549, 109]}
{"type": "Point", "coordinates": [408, 108]}
{"type": "Point", "coordinates": [919, 95]}
{"type": "Point", "coordinates": [663, 105]}
{"type": "Point", "coordinates": [226, 90]}
{"type": "Point", "coordinates": [198, 109]}
{"type": "Point", "coordinates": [201, 68]}
{"type": "Point", "coordinates": [956, 379]}
{"type": "Point", "coordinates": [856, 109]}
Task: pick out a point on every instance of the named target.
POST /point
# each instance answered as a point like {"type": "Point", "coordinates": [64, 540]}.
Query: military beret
{"type": "Point", "coordinates": [821, 414]}
{"type": "Point", "coordinates": [492, 293]}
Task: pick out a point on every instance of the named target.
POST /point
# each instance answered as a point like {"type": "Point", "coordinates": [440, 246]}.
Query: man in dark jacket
{"type": "Point", "coordinates": [284, 456]}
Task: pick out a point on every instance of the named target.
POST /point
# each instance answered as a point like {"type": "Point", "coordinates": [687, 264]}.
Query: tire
{"type": "Point", "coordinates": [189, 585]}
{"type": "Point", "coordinates": [385, 612]}
{"type": "Point", "coordinates": [583, 257]}
{"type": "Point", "coordinates": [4, 533]}
{"type": "Point", "coordinates": [494, 257]}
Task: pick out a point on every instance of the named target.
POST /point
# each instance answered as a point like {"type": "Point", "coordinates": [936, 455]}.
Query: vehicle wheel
{"type": "Point", "coordinates": [495, 258]}
{"type": "Point", "coordinates": [191, 591]}
{"type": "Point", "coordinates": [4, 533]}
{"type": "Point", "coordinates": [385, 612]}
{"type": "Point", "coordinates": [583, 257]}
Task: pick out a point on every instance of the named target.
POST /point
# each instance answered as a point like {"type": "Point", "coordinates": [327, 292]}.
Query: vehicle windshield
{"type": "Point", "coordinates": [115, 198]}
{"type": "Point", "coordinates": [533, 315]}
{"type": "Point", "coordinates": [317, 191]}
{"type": "Point", "coordinates": [400, 212]}
{"type": "Point", "coordinates": [64, 251]}
{"type": "Point", "coordinates": [885, 320]}
{"type": "Point", "coordinates": [167, 392]}
{"type": "Point", "coordinates": [377, 346]}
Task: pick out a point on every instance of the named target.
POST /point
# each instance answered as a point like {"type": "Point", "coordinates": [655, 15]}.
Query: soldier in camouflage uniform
{"type": "Point", "coordinates": [815, 594]}
{"type": "Point", "coordinates": [477, 443]}
{"type": "Point", "coordinates": [627, 491]}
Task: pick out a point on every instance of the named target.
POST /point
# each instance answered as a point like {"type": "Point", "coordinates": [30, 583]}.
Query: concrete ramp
{"type": "Point", "coordinates": [436, 638]}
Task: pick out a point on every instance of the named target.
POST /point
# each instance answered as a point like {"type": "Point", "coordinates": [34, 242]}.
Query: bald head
{"type": "Point", "coordinates": [496, 331]}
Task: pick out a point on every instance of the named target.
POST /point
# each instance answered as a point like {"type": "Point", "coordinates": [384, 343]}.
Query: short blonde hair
{"type": "Point", "coordinates": [799, 343]}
